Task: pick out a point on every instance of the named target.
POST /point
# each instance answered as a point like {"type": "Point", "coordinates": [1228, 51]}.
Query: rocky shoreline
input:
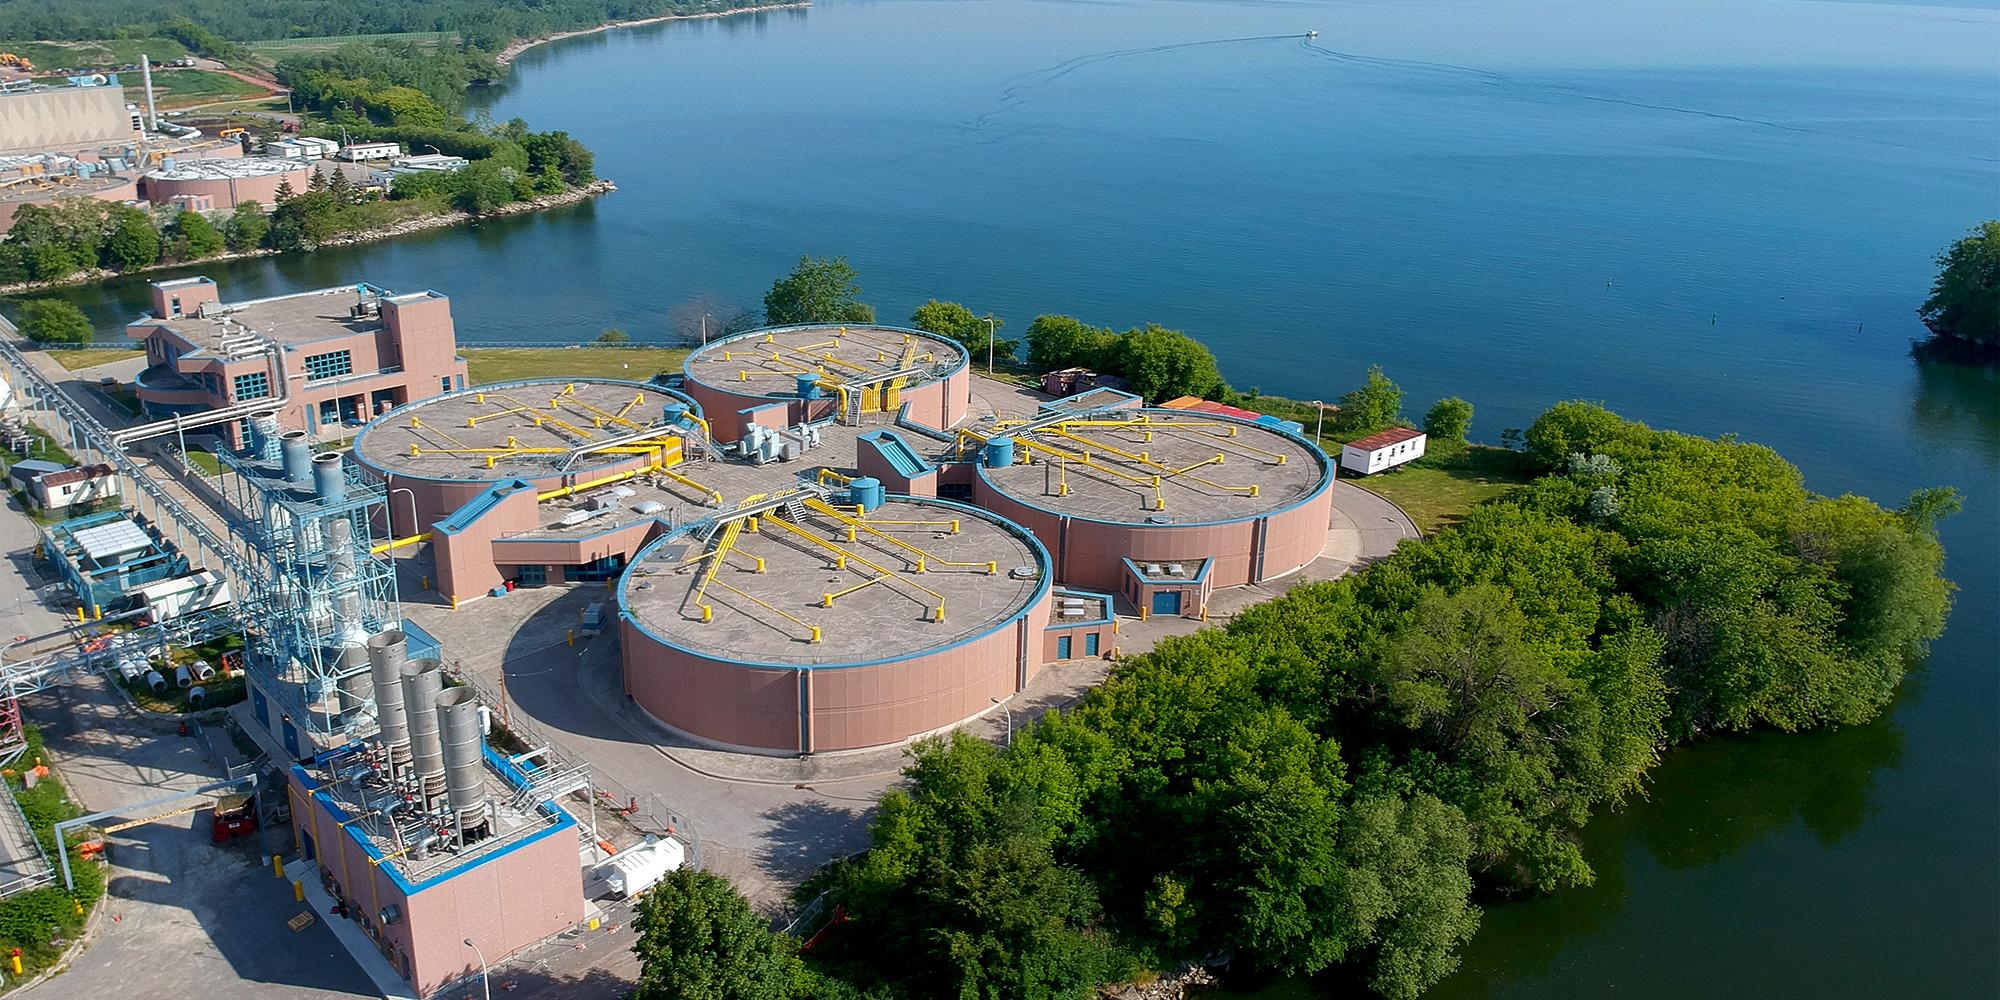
{"type": "Point", "coordinates": [439, 221]}
{"type": "Point", "coordinates": [1179, 986]}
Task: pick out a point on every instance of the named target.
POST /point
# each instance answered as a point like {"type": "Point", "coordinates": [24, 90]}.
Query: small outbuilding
{"type": "Point", "coordinates": [1384, 450]}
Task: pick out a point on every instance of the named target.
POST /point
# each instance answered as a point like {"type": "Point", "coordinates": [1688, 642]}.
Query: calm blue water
{"type": "Point", "coordinates": [1715, 216]}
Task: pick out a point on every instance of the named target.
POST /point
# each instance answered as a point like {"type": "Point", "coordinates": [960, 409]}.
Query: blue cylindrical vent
{"type": "Point", "coordinates": [867, 492]}
{"type": "Point", "coordinates": [298, 459]}
{"type": "Point", "coordinates": [329, 481]}
{"type": "Point", "coordinates": [999, 452]}
{"type": "Point", "coordinates": [809, 387]}
{"type": "Point", "coordinates": [674, 413]}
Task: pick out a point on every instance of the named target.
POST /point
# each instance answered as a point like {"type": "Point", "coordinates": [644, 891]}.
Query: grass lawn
{"type": "Point", "coordinates": [1438, 489]}
{"type": "Point", "coordinates": [78, 358]}
{"type": "Point", "coordinates": [180, 88]}
{"type": "Point", "coordinates": [501, 364]}
{"type": "Point", "coordinates": [205, 461]}
{"type": "Point", "coordinates": [105, 54]}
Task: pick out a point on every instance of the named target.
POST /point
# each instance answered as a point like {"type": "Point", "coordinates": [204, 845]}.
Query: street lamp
{"type": "Point", "coordinates": [484, 981]}
{"type": "Point", "coordinates": [1009, 712]}
{"type": "Point", "coordinates": [989, 346]}
{"type": "Point", "coordinates": [1319, 424]}
{"type": "Point", "coordinates": [413, 511]}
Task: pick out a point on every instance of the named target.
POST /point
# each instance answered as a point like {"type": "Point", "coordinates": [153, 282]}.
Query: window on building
{"type": "Point", "coordinates": [329, 412]}
{"type": "Point", "coordinates": [533, 576]}
{"type": "Point", "coordinates": [251, 385]}
{"type": "Point", "coordinates": [598, 570]}
{"type": "Point", "coordinates": [444, 384]}
{"type": "Point", "coordinates": [332, 364]}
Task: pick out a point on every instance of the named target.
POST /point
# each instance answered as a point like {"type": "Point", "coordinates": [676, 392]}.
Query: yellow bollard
{"type": "Point", "coordinates": [454, 602]}
{"type": "Point", "coordinates": [79, 614]}
{"type": "Point", "coordinates": [298, 892]}
{"type": "Point", "coordinates": [78, 903]}
{"type": "Point", "coordinates": [593, 923]}
{"type": "Point", "coordinates": [16, 959]}
{"type": "Point", "coordinates": [96, 612]}
{"type": "Point", "coordinates": [278, 865]}
{"type": "Point", "coordinates": [425, 585]}
{"type": "Point", "coordinates": [572, 637]}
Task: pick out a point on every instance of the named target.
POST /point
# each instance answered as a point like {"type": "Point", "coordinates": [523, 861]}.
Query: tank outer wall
{"type": "Point", "coordinates": [437, 499]}
{"type": "Point", "coordinates": [759, 708]}
{"type": "Point", "coordinates": [1090, 554]}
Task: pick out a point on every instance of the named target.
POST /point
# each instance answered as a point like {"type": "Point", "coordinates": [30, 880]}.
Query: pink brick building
{"type": "Point", "coordinates": [329, 360]}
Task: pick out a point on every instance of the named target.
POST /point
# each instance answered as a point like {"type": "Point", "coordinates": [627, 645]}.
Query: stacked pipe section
{"type": "Point", "coordinates": [386, 657]}
{"type": "Point", "coordinates": [465, 778]}
{"type": "Point", "coordinates": [422, 682]}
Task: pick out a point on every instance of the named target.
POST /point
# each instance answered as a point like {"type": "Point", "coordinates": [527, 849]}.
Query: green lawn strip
{"type": "Point", "coordinates": [183, 87]}
{"type": "Point", "coordinates": [42, 922]}
{"type": "Point", "coordinates": [502, 364]}
{"type": "Point", "coordinates": [100, 54]}
{"type": "Point", "coordinates": [1439, 489]}
{"type": "Point", "coordinates": [79, 358]}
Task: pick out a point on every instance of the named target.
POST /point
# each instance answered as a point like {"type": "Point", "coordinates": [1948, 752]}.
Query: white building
{"type": "Point", "coordinates": [303, 147]}
{"type": "Point", "coordinates": [1385, 450]}
{"type": "Point", "coordinates": [429, 161]}
{"type": "Point", "coordinates": [56, 490]}
{"type": "Point", "coordinates": [371, 151]}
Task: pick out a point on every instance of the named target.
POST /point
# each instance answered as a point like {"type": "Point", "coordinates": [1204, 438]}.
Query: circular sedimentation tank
{"type": "Point", "coordinates": [816, 370]}
{"type": "Point", "coordinates": [817, 628]}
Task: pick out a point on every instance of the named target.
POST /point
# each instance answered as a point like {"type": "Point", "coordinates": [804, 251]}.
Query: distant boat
{"type": "Point", "coordinates": [1312, 33]}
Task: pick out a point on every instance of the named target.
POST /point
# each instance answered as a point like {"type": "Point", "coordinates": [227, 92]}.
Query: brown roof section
{"type": "Point", "coordinates": [68, 476]}
{"type": "Point", "coordinates": [1383, 439]}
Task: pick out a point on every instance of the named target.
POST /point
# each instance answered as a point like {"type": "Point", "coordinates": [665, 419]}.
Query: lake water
{"type": "Point", "coordinates": [1716, 215]}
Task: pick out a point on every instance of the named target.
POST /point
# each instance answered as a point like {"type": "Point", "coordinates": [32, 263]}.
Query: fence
{"type": "Point", "coordinates": [645, 812]}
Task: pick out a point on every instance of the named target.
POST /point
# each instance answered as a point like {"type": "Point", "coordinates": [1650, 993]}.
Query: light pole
{"type": "Point", "coordinates": [413, 511]}
{"type": "Point", "coordinates": [1319, 424]}
{"type": "Point", "coordinates": [484, 981]}
{"type": "Point", "coordinates": [704, 329]}
{"type": "Point", "coordinates": [989, 346]}
{"type": "Point", "coordinates": [1007, 710]}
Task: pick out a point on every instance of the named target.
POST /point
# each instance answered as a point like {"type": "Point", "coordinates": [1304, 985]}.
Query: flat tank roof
{"type": "Point", "coordinates": [455, 434]}
{"type": "Point", "coordinates": [765, 618]}
{"type": "Point", "coordinates": [768, 362]}
{"type": "Point", "coordinates": [1160, 467]}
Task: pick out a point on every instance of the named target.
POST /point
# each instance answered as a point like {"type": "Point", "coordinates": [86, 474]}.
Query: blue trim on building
{"type": "Point", "coordinates": [1166, 581]}
{"type": "Point", "coordinates": [1045, 576]}
{"type": "Point", "coordinates": [1110, 614]}
{"type": "Point", "coordinates": [315, 788]}
{"type": "Point", "coordinates": [404, 411]}
{"type": "Point", "coordinates": [1326, 465]}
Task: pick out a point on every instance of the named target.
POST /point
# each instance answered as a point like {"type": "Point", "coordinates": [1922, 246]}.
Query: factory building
{"type": "Point", "coordinates": [427, 838]}
{"type": "Point", "coordinates": [37, 117]}
{"type": "Point", "coordinates": [328, 360]}
{"type": "Point", "coordinates": [808, 560]}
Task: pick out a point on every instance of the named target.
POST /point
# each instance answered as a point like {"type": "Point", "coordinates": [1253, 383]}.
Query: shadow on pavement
{"type": "Point", "coordinates": [805, 835]}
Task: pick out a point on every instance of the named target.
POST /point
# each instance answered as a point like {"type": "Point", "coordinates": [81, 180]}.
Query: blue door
{"type": "Point", "coordinates": [1062, 647]}
{"type": "Point", "coordinates": [307, 846]}
{"type": "Point", "coordinates": [1167, 602]}
{"type": "Point", "coordinates": [261, 706]}
{"type": "Point", "coordinates": [291, 737]}
{"type": "Point", "coordinates": [1090, 644]}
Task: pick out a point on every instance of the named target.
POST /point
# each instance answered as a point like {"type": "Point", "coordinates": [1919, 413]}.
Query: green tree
{"type": "Point", "coordinates": [1964, 303]}
{"type": "Point", "coordinates": [614, 337]}
{"type": "Point", "coordinates": [246, 227]}
{"type": "Point", "coordinates": [1162, 364]}
{"type": "Point", "coordinates": [54, 321]}
{"type": "Point", "coordinates": [698, 940]}
{"type": "Point", "coordinates": [949, 319]}
{"type": "Point", "coordinates": [481, 186]}
{"type": "Point", "coordinates": [819, 290]}
{"type": "Point", "coordinates": [406, 106]}
{"type": "Point", "coordinates": [133, 241]}
{"type": "Point", "coordinates": [1407, 886]}
{"type": "Point", "coordinates": [1449, 418]}
{"type": "Point", "coordinates": [1378, 403]}
{"type": "Point", "coordinates": [195, 237]}
{"type": "Point", "coordinates": [1058, 342]}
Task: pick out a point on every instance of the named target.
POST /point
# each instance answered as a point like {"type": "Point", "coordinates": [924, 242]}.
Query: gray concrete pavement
{"type": "Point", "coordinates": [182, 917]}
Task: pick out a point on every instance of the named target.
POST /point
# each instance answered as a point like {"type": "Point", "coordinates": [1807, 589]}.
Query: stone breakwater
{"type": "Point", "coordinates": [1180, 986]}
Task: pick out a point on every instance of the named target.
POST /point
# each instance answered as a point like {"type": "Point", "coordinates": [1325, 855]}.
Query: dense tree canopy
{"type": "Point", "coordinates": [1058, 342]}
{"type": "Point", "coordinates": [976, 333]}
{"type": "Point", "coordinates": [1376, 404]}
{"type": "Point", "coordinates": [1163, 364]}
{"type": "Point", "coordinates": [488, 23]}
{"type": "Point", "coordinates": [1964, 303]}
{"type": "Point", "coordinates": [1325, 780]}
{"type": "Point", "coordinates": [54, 321]}
{"type": "Point", "coordinates": [819, 290]}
